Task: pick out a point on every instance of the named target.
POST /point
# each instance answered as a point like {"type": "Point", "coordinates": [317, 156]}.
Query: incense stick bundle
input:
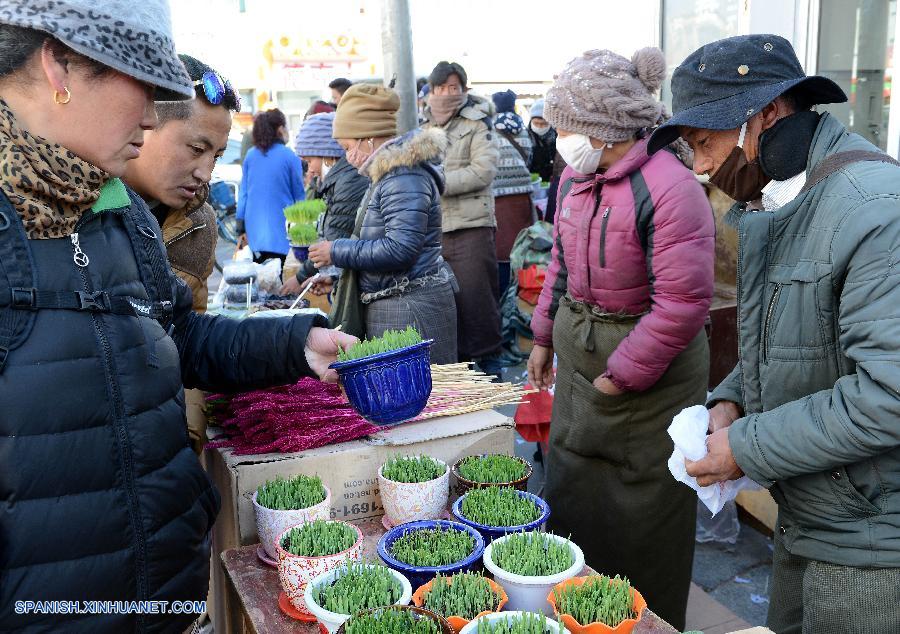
{"type": "Point", "coordinates": [458, 389]}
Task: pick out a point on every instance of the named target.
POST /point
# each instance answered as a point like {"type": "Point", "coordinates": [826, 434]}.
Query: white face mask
{"type": "Point", "coordinates": [576, 150]}
{"type": "Point", "coordinates": [540, 131]}
{"type": "Point", "coordinates": [324, 171]}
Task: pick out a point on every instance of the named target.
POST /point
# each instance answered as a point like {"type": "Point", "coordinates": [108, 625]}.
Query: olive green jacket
{"type": "Point", "coordinates": [819, 358]}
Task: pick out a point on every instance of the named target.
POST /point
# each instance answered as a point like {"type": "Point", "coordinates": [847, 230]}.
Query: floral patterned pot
{"type": "Point", "coordinates": [294, 572]}
{"type": "Point", "coordinates": [409, 502]}
{"type": "Point", "coordinates": [271, 523]}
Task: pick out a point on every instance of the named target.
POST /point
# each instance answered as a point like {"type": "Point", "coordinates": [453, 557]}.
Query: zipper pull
{"type": "Point", "coordinates": [606, 212]}
{"type": "Point", "coordinates": [80, 257]}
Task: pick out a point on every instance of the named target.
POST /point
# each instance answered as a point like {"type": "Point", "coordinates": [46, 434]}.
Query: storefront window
{"type": "Point", "coordinates": [689, 24]}
{"type": "Point", "coordinates": [856, 44]}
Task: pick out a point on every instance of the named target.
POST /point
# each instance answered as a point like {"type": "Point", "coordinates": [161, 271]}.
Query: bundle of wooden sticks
{"type": "Point", "coordinates": [458, 389]}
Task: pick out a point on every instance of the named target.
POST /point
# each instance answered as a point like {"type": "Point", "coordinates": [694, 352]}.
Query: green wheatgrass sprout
{"type": "Point", "coordinates": [359, 587]}
{"type": "Point", "coordinates": [527, 623]}
{"type": "Point", "coordinates": [409, 469]}
{"type": "Point", "coordinates": [532, 554]}
{"type": "Point", "coordinates": [599, 600]}
{"type": "Point", "coordinates": [499, 506]}
{"type": "Point", "coordinates": [431, 547]}
{"type": "Point", "coordinates": [464, 594]}
{"type": "Point", "coordinates": [302, 235]}
{"type": "Point", "coordinates": [390, 340]}
{"type": "Point", "coordinates": [493, 469]}
{"type": "Point", "coordinates": [300, 492]}
{"type": "Point", "coordinates": [391, 622]}
{"type": "Point", "coordinates": [305, 211]}
{"type": "Point", "coordinates": [319, 538]}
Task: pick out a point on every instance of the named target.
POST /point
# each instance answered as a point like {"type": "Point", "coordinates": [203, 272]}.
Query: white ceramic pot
{"type": "Point", "coordinates": [410, 502]}
{"type": "Point", "coordinates": [294, 572]}
{"type": "Point", "coordinates": [333, 620]}
{"type": "Point", "coordinates": [530, 593]}
{"type": "Point", "coordinates": [270, 523]}
{"type": "Point", "coordinates": [553, 627]}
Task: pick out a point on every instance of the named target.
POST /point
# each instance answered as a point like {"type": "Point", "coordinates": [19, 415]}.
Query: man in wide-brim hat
{"type": "Point", "coordinates": [812, 410]}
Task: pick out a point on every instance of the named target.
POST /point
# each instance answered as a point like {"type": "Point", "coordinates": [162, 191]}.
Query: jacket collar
{"type": "Point", "coordinates": [633, 160]}
{"type": "Point", "coordinates": [419, 147]}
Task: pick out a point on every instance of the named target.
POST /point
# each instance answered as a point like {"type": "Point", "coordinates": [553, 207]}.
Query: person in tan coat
{"type": "Point", "coordinates": [172, 175]}
{"type": "Point", "coordinates": [469, 223]}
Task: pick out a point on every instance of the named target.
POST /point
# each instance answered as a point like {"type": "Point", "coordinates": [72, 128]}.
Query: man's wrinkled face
{"type": "Point", "coordinates": [179, 157]}
{"type": "Point", "coordinates": [712, 147]}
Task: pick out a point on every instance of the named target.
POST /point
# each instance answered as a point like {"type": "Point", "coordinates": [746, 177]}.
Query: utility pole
{"type": "Point", "coordinates": [396, 47]}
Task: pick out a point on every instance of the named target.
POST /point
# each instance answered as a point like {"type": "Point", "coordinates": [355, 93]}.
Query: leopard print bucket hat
{"type": "Point", "coordinates": [133, 37]}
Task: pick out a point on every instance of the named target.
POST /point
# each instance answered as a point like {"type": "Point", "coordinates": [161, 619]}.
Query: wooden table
{"type": "Point", "coordinates": [256, 589]}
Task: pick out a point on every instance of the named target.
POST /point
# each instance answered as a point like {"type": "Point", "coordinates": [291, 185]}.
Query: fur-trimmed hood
{"type": "Point", "coordinates": [425, 147]}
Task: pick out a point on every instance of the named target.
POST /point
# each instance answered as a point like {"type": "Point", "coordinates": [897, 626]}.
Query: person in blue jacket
{"type": "Point", "coordinates": [272, 179]}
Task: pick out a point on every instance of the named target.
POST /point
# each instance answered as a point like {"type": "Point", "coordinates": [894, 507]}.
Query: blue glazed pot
{"type": "Point", "coordinates": [391, 387]}
{"type": "Point", "coordinates": [491, 533]}
{"type": "Point", "coordinates": [301, 253]}
{"type": "Point", "coordinates": [420, 575]}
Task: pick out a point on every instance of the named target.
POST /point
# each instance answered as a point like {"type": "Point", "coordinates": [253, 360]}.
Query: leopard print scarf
{"type": "Point", "coordinates": [49, 186]}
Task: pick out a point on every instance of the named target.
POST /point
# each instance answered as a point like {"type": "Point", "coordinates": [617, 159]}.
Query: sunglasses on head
{"type": "Point", "coordinates": [215, 89]}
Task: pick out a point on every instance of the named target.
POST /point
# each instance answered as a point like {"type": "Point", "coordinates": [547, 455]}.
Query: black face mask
{"type": "Point", "coordinates": [783, 153]}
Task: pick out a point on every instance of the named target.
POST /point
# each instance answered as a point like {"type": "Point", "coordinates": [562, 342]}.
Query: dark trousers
{"type": "Point", "coordinates": [472, 255]}
{"type": "Point", "coordinates": [815, 597]}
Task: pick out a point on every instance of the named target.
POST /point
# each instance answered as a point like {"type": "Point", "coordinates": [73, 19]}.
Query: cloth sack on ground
{"type": "Point", "coordinates": [688, 432]}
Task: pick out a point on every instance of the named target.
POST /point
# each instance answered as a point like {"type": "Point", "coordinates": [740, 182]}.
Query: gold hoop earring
{"type": "Point", "coordinates": [64, 101]}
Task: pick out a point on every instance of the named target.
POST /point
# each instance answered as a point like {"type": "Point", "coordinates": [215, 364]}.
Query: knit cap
{"type": "Point", "coordinates": [509, 122]}
{"type": "Point", "coordinates": [366, 111]}
{"type": "Point", "coordinates": [505, 101]}
{"type": "Point", "coordinates": [134, 38]}
{"type": "Point", "coordinates": [606, 96]}
{"type": "Point", "coordinates": [537, 109]}
{"type": "Point", "coordinates": [314, 137]}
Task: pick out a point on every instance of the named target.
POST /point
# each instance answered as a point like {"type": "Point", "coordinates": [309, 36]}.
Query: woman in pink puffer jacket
{"type": "Point", "coordinates": [623, 306]}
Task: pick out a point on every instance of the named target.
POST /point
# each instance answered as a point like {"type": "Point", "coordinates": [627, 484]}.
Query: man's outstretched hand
{"type": "Point", "coordinates": [322, 348]}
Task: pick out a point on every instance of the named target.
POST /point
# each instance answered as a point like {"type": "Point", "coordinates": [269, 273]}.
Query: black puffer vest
{"type": "Point", "coordinates": [101, 498]}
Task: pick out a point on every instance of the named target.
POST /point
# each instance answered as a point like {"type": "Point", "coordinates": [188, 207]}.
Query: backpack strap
{"type": "Point", "coordinates": [835, 162]}
{"type": "Point", "coordinates": [16, 270]}
{"type": "Point", "coordinates": [644, 211]}
{"type": "Point", "coordinates": [152, 262]}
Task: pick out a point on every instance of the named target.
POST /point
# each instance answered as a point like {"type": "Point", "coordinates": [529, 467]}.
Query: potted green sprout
{"type": "Point", "coordinates": [301, 225]}
{"type": "Point", "coordinates": [496, 511]}
{"type": "Point", "coordinates": [461, 597]}
{"type": "Point", "coordinates": [308, 550]}
{"type": "Point", "coordinates": [528, 565]}
{"type": "Point", "coordinates": [387, 379]}
{"type": "Point", "coordinates": [413, 488]}
{"type": "Point", "coordinates": [336, 595]}
{"type": "Point", "coordinates": [396, 619]}
{"type": "Point", "coordinates": [475, 472]}
{"type": "Point", "coordinates": [514, 623]}
{"type": "Point", "coordinates": [422, 549]}
{"type": "Point", "coordinates": [281, 503]}
{"type": "Point", "coordinates": [597, 604]}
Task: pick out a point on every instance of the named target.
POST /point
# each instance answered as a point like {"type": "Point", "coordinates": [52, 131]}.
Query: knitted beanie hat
{"type": "Point", "coordinates": [509, 122]}
{"type": "Point", "coordinates": [537, 109]}
{"type": "Point", "coordinates": [366, 111]}
{"type": "Point", "coordinates": [134, 38]}
{"type": "Point", "coordinates": [505, 101]}
{"type": "Point", "coordinates": [314, 137]}
{"type": "Point", "coordinates": [606, 96]}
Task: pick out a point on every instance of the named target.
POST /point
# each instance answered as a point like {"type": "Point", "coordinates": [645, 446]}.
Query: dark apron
{"type": "Point", "coordinates": [608, 484]}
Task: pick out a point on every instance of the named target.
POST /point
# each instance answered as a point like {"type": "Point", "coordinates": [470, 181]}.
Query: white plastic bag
{"type": "Point", "coordinates": [688, 432]}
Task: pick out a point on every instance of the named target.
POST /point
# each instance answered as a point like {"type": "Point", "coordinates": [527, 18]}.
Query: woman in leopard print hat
{"type": "Point", "coordinates": [103, 499]}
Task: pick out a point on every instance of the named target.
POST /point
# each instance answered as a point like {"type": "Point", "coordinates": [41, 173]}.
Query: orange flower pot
{"type": "Point", "coordinates": [458, 622]}
{"type": "Point", "coordinates": [625, 627]}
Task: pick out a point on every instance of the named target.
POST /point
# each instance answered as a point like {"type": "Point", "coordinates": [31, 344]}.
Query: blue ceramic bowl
{"type": "Point", "coordinates": [301, 253]}
{"type": "Point", "coordinates": [420, 575]}
{"type": "Point", "coordinates": [391, 387]}
{"type": "Point", "coordinates": [491, 533]}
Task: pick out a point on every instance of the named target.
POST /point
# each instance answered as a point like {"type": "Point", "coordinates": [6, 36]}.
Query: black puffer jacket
{"type": "Point", "coordinates": [401, 234]}
{"type": "Point", "coordinates": [342, 190]}
{"type": "Point", "coordinates": [543, 153]}
{"type": "Point", "coordinates": [102, 497]}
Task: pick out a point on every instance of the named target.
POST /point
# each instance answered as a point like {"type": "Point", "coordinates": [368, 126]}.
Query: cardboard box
{"type": "Point", "coordinates": [348, 469]}
{"type": "Point", "coordinates": [760, 505]}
